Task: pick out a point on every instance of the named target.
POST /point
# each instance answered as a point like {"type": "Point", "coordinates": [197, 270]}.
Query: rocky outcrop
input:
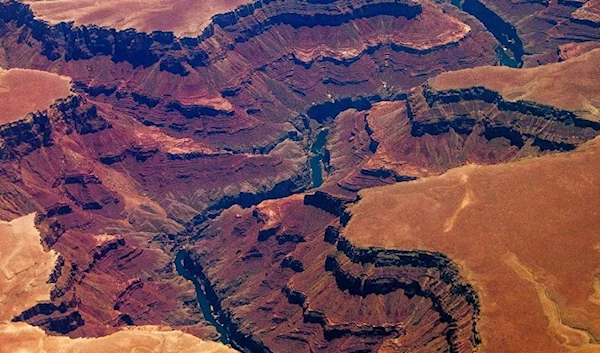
{"type": "Point", "coordinates": [246, 199]}
{"type": "Point", "coordinates": [196, 111]}
{"type": "Point", "coordinates": [294, 264]}
{"type": "Point", "coordinates": [59, 319]}
{"type": "Point", "coordinates": [79, 116]}
{"type": "Point", "coordinates": [168, 162]}
{"type": "Point", "coordinates": [520, 122]}
{"type": "Point", "coordinates": [87, 191]}
{"type": "Point", "coordinates": [452, 298]}
{"type": "Point", "coordinates": [238, 339]}
{"type": "Point", "coordinates": [531, 32]}
{"type": "Point", "coordinates": [304, 316]}
{"type": "Point", "coordinates": [520, 106]}
{"type": "Point", "coordinates": [327, 202]}
{"type": "Point", "coordinates": [588, 13]}
{"type": "Point", "coordinates": [24, 136]}
{"type": "Point", "coordinates": [136, 152]}
{"type": "Point", "coordinates": [174, 54]}
{"type": "Point", "coordinates": [21, 137]}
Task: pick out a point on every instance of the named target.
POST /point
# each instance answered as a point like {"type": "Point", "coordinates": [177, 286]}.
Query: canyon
{"type": "Point", "coordinates": [299, 176]}
{"type": "Point", "coordinates": [28, 278]}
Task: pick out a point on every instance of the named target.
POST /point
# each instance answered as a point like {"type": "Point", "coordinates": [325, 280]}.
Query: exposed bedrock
{"type": "Point", "coordinates": [24, 136]}
{"type": "Point", "coordinates": [79, 115]}
{"type": "Point", "coordinates": [504, 32]}
{"type": "Point", "coordinates": [142, 49]}
{"type": "Point", "coordinates": [588, 14]}
{"type": "Point", "coordinates": [248, 96]}
{"type": "Point", "coordinates": [533, 31]}
{"type": "Point", "coordinates": [230, 249]}
{"type": "Point", "coordinates": [171, 142]}
{"type": "Point", "coordinates": [430, 276]}
{"type": "Point", "coordinates": [384, 299]}
{"type": "Point", "coordinates": [326, 202]}
{"type": "Point", "coordinates": [432, 132]}
{"type": "Point", "coordinates": [94, 209]}
{"type": "Point", "coordinates": [59, 319]}
{"type": "Point", "coordinates": [520, 122]}
{"type": "Point", "coordinates": [21, 137]}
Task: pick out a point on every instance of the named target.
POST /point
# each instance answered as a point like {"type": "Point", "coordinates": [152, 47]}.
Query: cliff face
{"type": "Point", "coordinates": [207, 144]}
{"type": "Point", "coordinates": [430, 131]}
{"type": "Point", "coordinates": [520, 122]}
{"type": "Point", "coordinates": [27, 266]}
{"type": "Point", "coordinates": [141, 49]}
{"type": "Point", "coordinates": [58, 159]}
{"type": "Point", "coordinates": [532, 31]}
{"type": "Point", "coordinates": [23, 136]}
{"type": "Point", "coordinates": [287, 270]}
{"type": "Point", "coordinates": [430, 276]}
{"type": "Point", "coordinates": [503, 251]}
{"type": "Point", "coordinates": [218, 88]}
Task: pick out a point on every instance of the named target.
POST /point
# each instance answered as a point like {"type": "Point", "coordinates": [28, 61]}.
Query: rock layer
{"type": "Point", "coordinates": [534, 30]}
{"type": "Point", "coordinates": [168, 144]}
{"type": "Point", "coordinates": [27, 267]}
{"type": "Point", "coordinates": [385, 300]}
{"type": "Point", "coordinates": [502, 225]}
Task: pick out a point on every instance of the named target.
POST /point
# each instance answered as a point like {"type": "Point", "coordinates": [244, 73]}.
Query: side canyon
{"type": "Point", "coordinates": [300, 176]}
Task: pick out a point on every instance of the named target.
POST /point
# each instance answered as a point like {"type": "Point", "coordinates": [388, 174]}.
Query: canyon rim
{"type": "Point", "coordinates": [290, 176]}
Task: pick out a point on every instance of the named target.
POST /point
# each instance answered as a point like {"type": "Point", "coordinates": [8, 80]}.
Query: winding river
{"type": "Point", "coordinates": [180, 264]}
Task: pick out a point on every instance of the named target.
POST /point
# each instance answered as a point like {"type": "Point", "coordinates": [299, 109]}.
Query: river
{"type": "Point", "coordinates": [510, 52]}
{"type": "Point", "coordinates": [203, 301]}
{"type": "Point", "coordinates": [316, 162]}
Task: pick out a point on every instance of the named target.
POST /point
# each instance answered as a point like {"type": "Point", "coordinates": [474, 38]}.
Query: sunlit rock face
{"type": "Point", "coordinates": [500, 223]}
{"type": "Point", "coordinates": [29, 274]}
{"type": "Point", "coordinates": [299, 175]}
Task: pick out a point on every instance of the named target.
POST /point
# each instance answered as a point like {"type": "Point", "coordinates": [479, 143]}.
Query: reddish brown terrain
{"type": "Point", "coordinates": [300, 176]}
{"type": "Point", "coordinates": [523, 234]}
{"type": "Point", "coordinates": [531, 30]}
{"type": "Point", "coordinates": [589, 12]}
{"type": "Point", "coordinates": [182, 17]}
{"type": "Point", "coordinates": [27, 279]}
{"type": "Point", "coordinates": [510, 257]}
{"type": "Point", "coordinates": [549, 85]}
{"type": "Point", "coordinates": [49, 87]}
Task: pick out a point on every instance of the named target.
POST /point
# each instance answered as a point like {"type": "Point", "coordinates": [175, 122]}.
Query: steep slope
{"type": "Point", "coordinates": [102, 220]}
{"type": "Point", "coordinates": [183, 18]}
{"type": "Point", "coordinates": [524, 234]}
{"type": "Point", "coordinates": [531, 31]}
{"type": "Point", "coordinates": [409, 245]}
{"type": "Point", "coordinates": [173, 178]}
{"type": "Point", "coordinates": [279, 284]}
{"type": "Point", "coordinates": [164, 133]}
{"type": "Point", "coordinates": [551, 85]}
{"type": "Point", "coordinates": [28, 277]}
{"type": "Point", "coordinates": [484, 115]}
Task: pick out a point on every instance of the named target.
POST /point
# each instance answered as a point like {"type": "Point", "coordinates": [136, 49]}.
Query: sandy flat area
{"type": "Point", "coordinates": [525, 234]}
{"type": "Point", "coordinates": [25, 91]}
{"type": "Point", "coordinates": [24, 271]}
{"type": "Point", "coordinates": [554, 85]}
{"type": "Point", "coordinates": [183, 17]}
